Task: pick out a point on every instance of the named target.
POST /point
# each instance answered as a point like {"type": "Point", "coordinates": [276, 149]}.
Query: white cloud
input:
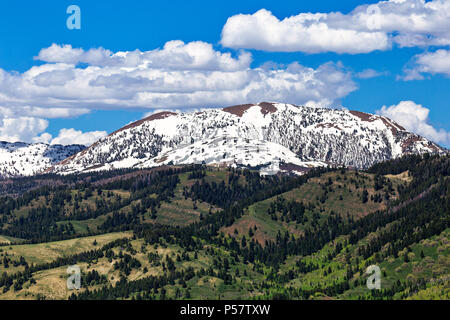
{"type": "Point", "coordinates": [31, 129]}
{"type": "Point", "coordinates": [177, 76]}
{"type": "Point", "coordinates": [43, 138]}
{"type": "Point", "coordinates": [414, 117]}
{"type": "Point", "coordinates": [305, 32]}
{"type": "Point", "coordinates": [194, 55]}
{"type": "Point", "coordinates": [72, 136]}
{"type": "Point", "coordinates": [175, 55]}
{"type": "Point", "coordinates": [21, 129]}
{"type": "Point", "coordinates": [367, 28]}
{"type": "Point", "coordinates": [410, 74]}
{"type": "Point", "coordinates": [433, 62]}
{"type": "Point", "coordinates": [17, 126]}
{"type": "Point", "coordinates": [370, 73]}
{"type": "Point", "coordinates": [437, 62]}
{"type": "Point", "coordinates": [67, 54]}
{"type": "Point", "coordinates": [49, 113]}
{"type": "Point", "coordinates": [25, 123]}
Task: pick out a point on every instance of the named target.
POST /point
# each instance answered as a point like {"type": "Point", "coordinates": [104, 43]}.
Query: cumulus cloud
{"type": "Point", "coordinates": [21, 128]}
{"type": "Point", "coordinates": [17, 126]}
{"type": "Point", "coordinates": [30, 129]}
{"type": "Point", "coordinates": [43, 138]}
{"type": "Point", "coordinates": [67, 54]}
{"type": "Point", "coordinates": [179, 75]}
{"type": "Point", "coordinates": [25, 123]}
{"type": "Point", "coordinates": [367, 28]}
{"type": "Point", "coordinates": [437, 62]}
{"type": "Point", "coordinates": [72, 136]}
{"type": "Point", "coordinates": [305, 32]}
{"type": "Point", "coordinates": [175, 55]}
{"type": "Point", "coordinates": [414, 117]}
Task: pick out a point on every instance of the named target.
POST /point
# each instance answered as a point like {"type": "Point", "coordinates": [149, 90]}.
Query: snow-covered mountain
{"type": "Point", "coordinates": [270, 136]}
{"type": "Point", "coordinates": [24, 159]}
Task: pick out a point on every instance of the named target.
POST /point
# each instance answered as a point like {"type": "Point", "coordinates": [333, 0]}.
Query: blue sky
{"type": "Point", "coordinates": [28, 27]}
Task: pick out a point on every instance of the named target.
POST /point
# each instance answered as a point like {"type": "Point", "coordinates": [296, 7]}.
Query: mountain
{"type": "Point", "coordinates": [24, 159]}
{"type": "Point", "coordinates": [270, 136]}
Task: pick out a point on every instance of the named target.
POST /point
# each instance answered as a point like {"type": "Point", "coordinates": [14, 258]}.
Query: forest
{"type": "Point", "coordinates": [198, 232]}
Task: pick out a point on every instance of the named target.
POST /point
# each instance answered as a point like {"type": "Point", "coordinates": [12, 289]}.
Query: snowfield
{"type": "Point", "coordinates": [272, 137]}
{"type": "Point", "coordinates": [23, 159]}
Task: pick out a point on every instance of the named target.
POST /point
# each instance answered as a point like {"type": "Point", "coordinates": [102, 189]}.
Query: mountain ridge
{"type": "Point", "coordinates": [271, 137]}
{"type": "Point", "coordinates": [25, 159]}
{"type": "Point", "coordinates": [265, 135]}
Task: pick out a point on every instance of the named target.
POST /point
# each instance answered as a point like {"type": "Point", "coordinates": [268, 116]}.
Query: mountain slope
{"type": "Point", "coordinates": [24, 159]}
{"type": "Point", "coordinates": [270, 136]}
{"type": "Point", "coordinates": [197, 232]}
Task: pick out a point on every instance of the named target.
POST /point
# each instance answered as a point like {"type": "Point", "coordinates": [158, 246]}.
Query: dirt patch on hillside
{"type": "Point", "coordinates": [267, 107]}
{"type": "Point", "coordinates": [238, 110]}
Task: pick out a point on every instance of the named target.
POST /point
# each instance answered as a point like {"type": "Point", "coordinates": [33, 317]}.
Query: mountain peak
{"type": "Point", "coordinates": [270, 136]}
{"type": "Point", "coordinates": [155, 116]}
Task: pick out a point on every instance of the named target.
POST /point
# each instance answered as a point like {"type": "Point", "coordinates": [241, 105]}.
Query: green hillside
{"type": "Point", "coordinates": [199, 232]}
